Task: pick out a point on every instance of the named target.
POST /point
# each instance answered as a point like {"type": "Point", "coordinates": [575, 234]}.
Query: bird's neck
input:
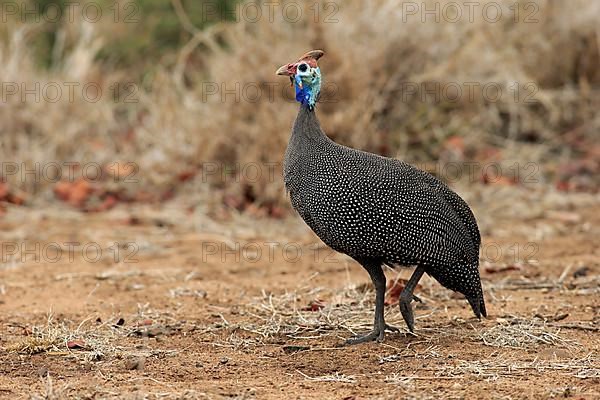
{"type": "Point", "coordinates": [307, 125]}
{"type": "Point", "coordinates": [307, 139]}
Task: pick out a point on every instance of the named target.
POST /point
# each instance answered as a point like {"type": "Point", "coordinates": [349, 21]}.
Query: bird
{"type": "Point", "coordinates": [380, 211]}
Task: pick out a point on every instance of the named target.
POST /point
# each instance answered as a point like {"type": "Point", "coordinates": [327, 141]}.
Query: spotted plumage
{"type": "Point", "coordinates": [381, 211]}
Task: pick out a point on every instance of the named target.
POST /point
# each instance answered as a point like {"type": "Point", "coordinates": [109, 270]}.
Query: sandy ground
{"type": "Point", "coordinates": [152, 302]}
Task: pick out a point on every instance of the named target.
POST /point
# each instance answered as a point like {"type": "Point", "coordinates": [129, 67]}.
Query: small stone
{"type": "Point", "coordinates": [224, 360]}
{"type": "Point", "coordinates": [560, 316]}
{"type": "Point", "coordinates": [136, 363]}
{"type": "Point", "coordinates": [583, 271]}
{"type": "Point", "coordinates": [294, 349]}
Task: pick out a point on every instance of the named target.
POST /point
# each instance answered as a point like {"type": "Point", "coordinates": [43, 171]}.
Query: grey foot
{"type": "Point", "coordinates": [376, 334]}
{"type": "Point", "coordinates": [391, 328]}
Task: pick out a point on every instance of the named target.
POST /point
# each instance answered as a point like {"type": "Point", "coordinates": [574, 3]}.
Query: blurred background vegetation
{"type": "Point", "coordinates": [165, 120]}
{"type": "Point", "coordinates": [141, 30]}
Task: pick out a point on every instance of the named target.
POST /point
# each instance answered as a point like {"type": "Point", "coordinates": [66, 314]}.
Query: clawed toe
{"type": "Point", "coordinates": [374, 335]}
{"type": "Point", "coordinates": [407, 314]}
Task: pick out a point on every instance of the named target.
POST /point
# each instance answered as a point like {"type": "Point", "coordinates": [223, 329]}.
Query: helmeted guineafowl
{"type": "Point", "coordinates": [378, 210]}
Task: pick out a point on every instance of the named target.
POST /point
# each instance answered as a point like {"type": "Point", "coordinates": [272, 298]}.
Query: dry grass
{"type": "Point", "coordinates": [174, 127]}
{"type": "Point", "coordinates": [348, 310]}
{"type": "Point", "coordinates": [307, 314]}
{"type": "Point", "coordinates": [335, 377]}
{"type": "Point", "coordinates": [540, 337]}
{"type": "Point", "coordinates": [57, 338]}
{"type": "Point", "coordinates": [49, 391]}
{"type": "Point", "coordinates": [92, 340]}
{"type": "Point", "coordinates": [524, 334]}
{"type": "Point", "coordinates": [313, 313]}
{"type": "Point", "coordinates": [496, 368]}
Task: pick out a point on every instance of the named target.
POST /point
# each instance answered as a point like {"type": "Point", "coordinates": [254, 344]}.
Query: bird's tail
{"type": "Point", "coordinates": [474, 293]}
{"type": "Point", "coordinates": [478, 305]}
{"type": "Point", "coordinates": [463, 279]}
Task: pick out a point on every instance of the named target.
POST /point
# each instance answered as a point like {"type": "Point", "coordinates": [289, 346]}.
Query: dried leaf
{"type": "Point", "coordinates": [3, 190]}
{"type": "Point", "coordinates": [75, 193]}
{"type": "Point", "coordinates": [393, 291]}
{"type": "Point", "coordinates": [314, 305]}
{"type": "Point", "coordinates": [511, 267]}
{"type": "Point", "coordinates": [563, 216]}
{"type": "Point", "coordinates": [76, 344]}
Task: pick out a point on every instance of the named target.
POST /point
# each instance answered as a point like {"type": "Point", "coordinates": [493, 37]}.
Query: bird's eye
{"type": "Point", "coordinates": [303, 67]}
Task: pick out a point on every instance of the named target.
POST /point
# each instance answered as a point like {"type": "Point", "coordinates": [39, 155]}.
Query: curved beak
{"type": "Point", "coordinates": [286, 69]}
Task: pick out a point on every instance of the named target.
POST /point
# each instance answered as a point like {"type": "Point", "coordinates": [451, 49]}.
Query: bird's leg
{"type": "Point", "coordinates": [379, 325]}
{"type": "Point", "coordinates": [407, 296]}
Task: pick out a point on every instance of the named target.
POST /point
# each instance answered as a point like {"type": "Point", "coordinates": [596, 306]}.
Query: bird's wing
{"type": "Point", "coordinates": [456, 203]}
{"type": "Point", "coordinates": [448, 206]}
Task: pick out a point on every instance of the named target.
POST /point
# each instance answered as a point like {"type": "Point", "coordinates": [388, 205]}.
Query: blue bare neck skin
{"type": "Point", "coordinates": [308, 87]}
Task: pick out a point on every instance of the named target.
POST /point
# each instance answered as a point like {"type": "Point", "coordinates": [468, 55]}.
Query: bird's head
{"type": "Point", "coordinates": [305, 75]}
